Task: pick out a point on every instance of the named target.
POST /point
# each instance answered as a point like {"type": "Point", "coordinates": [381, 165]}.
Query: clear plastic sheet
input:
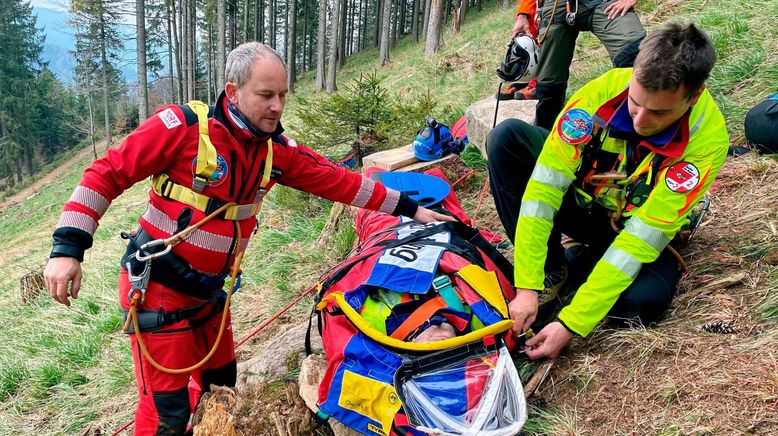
{"type": "Point", "coordinates": [469, 394]}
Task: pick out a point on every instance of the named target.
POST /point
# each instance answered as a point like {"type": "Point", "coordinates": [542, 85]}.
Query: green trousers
{"type": "Point", "coordinates": [621, 36]}
{"type": "Point", "coordinates": [556, 53]}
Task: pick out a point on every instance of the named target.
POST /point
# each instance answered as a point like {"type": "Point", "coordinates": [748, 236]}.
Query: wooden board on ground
{"type": "Point", "coordinates": [400, 159]}
{"type": "Point", "coordinates": [390, 160]}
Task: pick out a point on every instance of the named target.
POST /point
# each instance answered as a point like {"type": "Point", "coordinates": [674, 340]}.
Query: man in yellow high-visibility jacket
{"type": "Point", "coordinates": [633, 150]}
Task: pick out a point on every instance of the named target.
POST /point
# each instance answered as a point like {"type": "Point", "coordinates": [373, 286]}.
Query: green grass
{"type": "Point", "coordinates": [62, 370]}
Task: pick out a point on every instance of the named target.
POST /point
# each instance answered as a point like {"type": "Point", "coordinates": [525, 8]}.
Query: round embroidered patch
{"type": "Point", "coordinates": [682, 177]}
{"type": "Point", "coordinates": [219, 174]}
{"type": "Point", "coordinates": [575, 126]}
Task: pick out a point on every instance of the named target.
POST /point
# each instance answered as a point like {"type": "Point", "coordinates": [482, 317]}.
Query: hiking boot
{"type": "Point", "coordinates": [553, 284]}
{"type": "Point", "coordinates": [515, 91]}
{"type": "Point", "coordinates": [526, 93]}
{"type": "Point", "coordinates": [507, 93]}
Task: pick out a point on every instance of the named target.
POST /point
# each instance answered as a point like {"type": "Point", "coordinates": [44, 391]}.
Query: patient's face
{"type": "Point", "coordinates": [436, 333]}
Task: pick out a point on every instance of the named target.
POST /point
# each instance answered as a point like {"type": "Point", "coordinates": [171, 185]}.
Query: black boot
{"type": "Point", "coordinates": [551, 100]}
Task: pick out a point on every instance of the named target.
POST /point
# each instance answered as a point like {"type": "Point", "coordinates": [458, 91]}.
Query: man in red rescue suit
{"type": "Point", "coordinates": [182, 310]}
{"type": "Point", "coordinates": [628, 159]}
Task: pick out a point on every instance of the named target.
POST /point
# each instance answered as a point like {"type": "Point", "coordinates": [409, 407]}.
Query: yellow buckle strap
{"type": "Point", "coordinates": [165, 187]}
{"type": "Point", "coordinates": [206, 152]}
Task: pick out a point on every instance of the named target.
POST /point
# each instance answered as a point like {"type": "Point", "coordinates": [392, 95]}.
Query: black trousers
{"type": "Point", "coordinates": [513, 147]}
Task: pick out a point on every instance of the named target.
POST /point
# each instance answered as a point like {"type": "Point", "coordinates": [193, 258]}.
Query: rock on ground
{"type": "Point", "coordinates": [480, 116]}
{"type": "Point", "coordinates": [282, 353]}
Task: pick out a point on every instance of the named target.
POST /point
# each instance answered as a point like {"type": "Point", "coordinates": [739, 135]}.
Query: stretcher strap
{"type": "Point", "coordinates": [419, 317]}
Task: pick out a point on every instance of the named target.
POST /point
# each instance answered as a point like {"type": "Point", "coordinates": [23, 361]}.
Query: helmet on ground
{"type": "Point", "coordinates": [434, 140]}
{"type": "Point", "coordinates": [521, 60]}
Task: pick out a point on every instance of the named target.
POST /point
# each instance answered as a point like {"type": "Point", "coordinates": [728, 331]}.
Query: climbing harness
{"type": "Point", "coordinates": [163, 185]}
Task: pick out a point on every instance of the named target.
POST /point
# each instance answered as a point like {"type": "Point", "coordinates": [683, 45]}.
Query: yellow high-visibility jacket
{"type": "Point", "coordinates": [681, 171]}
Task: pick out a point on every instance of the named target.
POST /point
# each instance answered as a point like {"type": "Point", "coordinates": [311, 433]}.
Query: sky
{"type": "Point", "coordinates": [61, 5]}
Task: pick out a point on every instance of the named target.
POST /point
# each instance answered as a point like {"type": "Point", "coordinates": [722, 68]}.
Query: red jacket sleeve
{"type": "Point", "coordinates": [148, 150]}
{"type": "Point", "coordinates": [528, 7]}
{"type": "Point", "coordinates": [308, 171]}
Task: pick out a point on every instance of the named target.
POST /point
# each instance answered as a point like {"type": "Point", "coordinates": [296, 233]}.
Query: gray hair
{"type": "Point", "coordinates": [242, 57]}
{"type": "Point", "coordinates": [675, 55]}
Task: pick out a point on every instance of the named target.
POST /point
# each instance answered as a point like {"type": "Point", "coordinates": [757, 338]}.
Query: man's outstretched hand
{"type": "Point", "coordinates": [424, 216]}
{"type": "Point", "coordinates": [549, 342]}
{"type": "Point", "coordinates": [59, 273]}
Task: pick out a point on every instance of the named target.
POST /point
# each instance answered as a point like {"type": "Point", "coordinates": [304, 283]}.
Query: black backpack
{"type": "Point", "coordinates": [761, 125]}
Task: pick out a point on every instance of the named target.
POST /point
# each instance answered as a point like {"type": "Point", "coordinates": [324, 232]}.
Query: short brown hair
{"type": "Point", "coordinates": [675, 55]}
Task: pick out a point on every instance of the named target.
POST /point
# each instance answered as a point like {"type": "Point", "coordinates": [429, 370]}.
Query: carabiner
{"type": "Point", "coordinates": [144, 248]}
{"type": "Point", "coordinates": [138, 282]}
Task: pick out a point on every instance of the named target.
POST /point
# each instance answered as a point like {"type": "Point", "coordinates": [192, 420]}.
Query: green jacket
{"type": "Point", "coordinates": [655, 197]}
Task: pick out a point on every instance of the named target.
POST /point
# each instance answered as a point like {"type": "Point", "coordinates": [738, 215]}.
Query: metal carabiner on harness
{"type": "Point", "coordinates": [570, 14]}
{"type": "Point", "coordinates": [139, 282]}
{"type": "Point", "coordinates": [145, 248]}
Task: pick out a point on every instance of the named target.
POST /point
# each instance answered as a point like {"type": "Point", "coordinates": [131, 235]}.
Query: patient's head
{"type": "Point", "coordinates": [436, 333]}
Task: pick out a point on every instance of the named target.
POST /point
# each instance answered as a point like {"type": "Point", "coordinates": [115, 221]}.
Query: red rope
{"type": "Point", "coordinates": [124, 427]}
{"type": "Point", "coordinates": [480, 200]}
{"type": "Point", "coordinates": [265, 324]}
{"type": "Point", "coordinates": [247, 337]}
{"type": "Point", "coordinates": [467, 174]}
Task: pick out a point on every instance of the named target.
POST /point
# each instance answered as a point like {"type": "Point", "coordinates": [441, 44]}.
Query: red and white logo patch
{"type": "Point", "coordinates": [682, 177]}
{"type": "Point", "coordinates": [169, 118]}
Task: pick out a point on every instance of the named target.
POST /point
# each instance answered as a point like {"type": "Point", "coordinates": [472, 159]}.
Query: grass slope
{"type": "Point", "coordinates": [62, 370]}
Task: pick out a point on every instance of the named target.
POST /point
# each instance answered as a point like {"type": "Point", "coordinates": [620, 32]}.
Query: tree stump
{"type": "Point", "coordinates": [31, 286]}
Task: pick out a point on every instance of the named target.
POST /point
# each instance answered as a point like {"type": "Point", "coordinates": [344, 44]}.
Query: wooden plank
{"type": "Point", "coordinates": [423, 165]}
{"type": "Point", "coordinates": [390, 159]}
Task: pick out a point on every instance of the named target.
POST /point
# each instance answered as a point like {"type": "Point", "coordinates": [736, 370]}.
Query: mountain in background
{"type": "Point", "coordinates": [61, 41]}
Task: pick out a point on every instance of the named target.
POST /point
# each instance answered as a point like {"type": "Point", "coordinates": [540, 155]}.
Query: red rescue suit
{"type": "Point", "coordinates": [167, 143]}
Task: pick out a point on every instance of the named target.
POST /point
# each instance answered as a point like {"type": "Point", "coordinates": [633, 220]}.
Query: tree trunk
{"type": "Point", "coordinates": [185, 46]}
{"type": "Point", "coordinates": [383, 54]}
{"type": "Point", "coordinates": [426, 20]}
{"type": "Point", "coordinates": [177, 47]}
{"type": "Point", "coordinates": [463, 6]}
{"type": "Point", "coordinates": [352, 11]}
{"type": "Point", "coordinates": [333, 61]}
{"type": "Point", "coordinates": [232, 18]}
{"type": "Point", "coordinates": [380, 19]}
{"type": "Point", "coordinates": [245, 20]}
{"type": "Point", "coordinates": [393, 24]}
{"type": "Point", "coordinates": [292, 42]}
{"type": "Point", "coordinates": [140, 26]}
{"type": "Point", "coordinates": [257, 36]}
{"type": "Point", "coordinates": [104, 63]}
{"type": "Point", "coordinates": [342, 33]}
{"type": "Point", "coordinates": [363, 30]}
{"type": "Point", "coordinates": [321, 43]}
{"type": "Point", "coordinates": [209, 65]}
{"type": "Point", "coordinates": [403, 12]}
{"type": "Point", "coordinates": [221, 22]}
{"type": "Point", "coordinates": [170, 56]}
{"type": "Point", "coordinates": [91, 125]}
{"type": "Point", "coordinates": [480, 3]}
{"type": "Point", "coordinates": [272, 17]}
{"type": "Point", "coordinates": [261, 15]}
{"type": "Point", "coordinates": [415, 22]}
{"type": "Point", "coordinates": [305, 35]}
{"type": "Point", "coordinates": [193, 49]}
{"type": "Point", "coordinates": [432, 44]}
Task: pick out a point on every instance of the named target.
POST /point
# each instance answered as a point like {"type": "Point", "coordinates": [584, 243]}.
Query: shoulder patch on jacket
{"type": "Point", "coordinates": [682, 177]}
{"type": "Point", "coordinates": [169, 118]}
{"type": "Point", "coordinates": [290, 142]}
{"type": "Point", "coordinates": [575, 126]}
